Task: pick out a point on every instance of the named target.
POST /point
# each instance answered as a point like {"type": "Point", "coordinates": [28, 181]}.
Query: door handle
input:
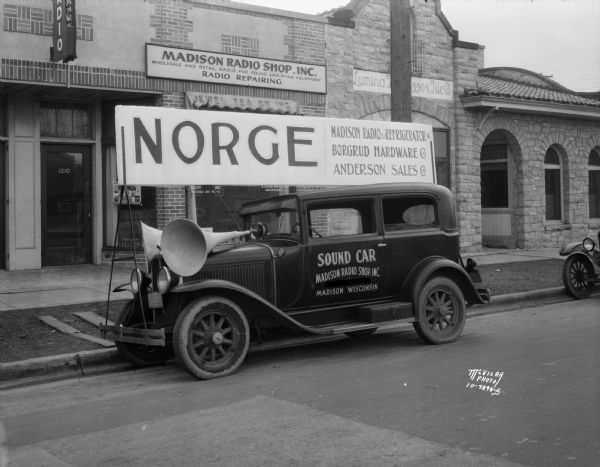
{"type": "Point", "coordinates": [381, 245]}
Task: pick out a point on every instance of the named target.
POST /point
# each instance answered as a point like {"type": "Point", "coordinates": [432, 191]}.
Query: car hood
{"type": "Point", "coordinates": [242, 253]}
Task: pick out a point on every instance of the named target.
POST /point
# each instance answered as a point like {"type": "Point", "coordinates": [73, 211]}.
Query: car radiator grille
{"type": "Point", "coordinates": [251, 276]}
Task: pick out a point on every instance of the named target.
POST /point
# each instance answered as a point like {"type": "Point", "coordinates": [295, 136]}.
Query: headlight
{"type": "Point", "coordinates": [138, 280]}
{"type": "Point", "coordinates": [588, 244]}
{"type": "Point", "coordinates": [166, 280]}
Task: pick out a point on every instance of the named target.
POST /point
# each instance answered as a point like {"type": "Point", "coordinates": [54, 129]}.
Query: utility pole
{"type": "Point", "coordinates": [401, 52]}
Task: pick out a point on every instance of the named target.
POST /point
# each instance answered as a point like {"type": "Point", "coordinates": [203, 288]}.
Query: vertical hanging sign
{"type": "Point", "coordinates": [64, 36]}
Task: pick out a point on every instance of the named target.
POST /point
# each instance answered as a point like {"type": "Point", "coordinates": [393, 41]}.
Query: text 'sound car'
{"type": "Point", "coordinates": [337, 261]}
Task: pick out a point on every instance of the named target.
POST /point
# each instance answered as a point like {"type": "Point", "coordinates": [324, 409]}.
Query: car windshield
{"type": "Point", "coordinates": [280, 216]}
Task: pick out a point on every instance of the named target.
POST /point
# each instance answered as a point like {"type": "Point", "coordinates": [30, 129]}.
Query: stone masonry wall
{"type": "Point", "coordinates": [465, 157]}
{"type": "Point", "coordinates": [574, 140]}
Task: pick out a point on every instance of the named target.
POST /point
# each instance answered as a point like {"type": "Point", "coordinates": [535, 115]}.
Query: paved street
{"type": "Point", "coordinates": [383, 400]}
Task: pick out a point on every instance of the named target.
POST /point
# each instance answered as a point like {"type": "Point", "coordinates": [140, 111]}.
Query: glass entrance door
{"type": "Point", "coordinates": [66, 205]}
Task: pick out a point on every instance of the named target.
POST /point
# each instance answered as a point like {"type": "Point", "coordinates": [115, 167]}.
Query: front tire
{"type": "Point", "coordinates": [139, 354]}
{"type": "Point", "coordinates": [575, 275]}
{"type": "Point", "coordinates": [211, 337]}
{"type": "Point", "coordinates": [441, 311]}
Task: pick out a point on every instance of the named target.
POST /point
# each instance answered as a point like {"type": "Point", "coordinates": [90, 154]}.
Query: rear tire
{"type": "Point", "coordinates": [139, 354]}
{"type": "Point", "coordinates": [211, 337]}
{"type": "Point", "coordinates": [441, 311]}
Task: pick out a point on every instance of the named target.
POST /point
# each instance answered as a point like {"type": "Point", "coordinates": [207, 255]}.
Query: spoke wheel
{"type": "Point", "coordinates": [211, 337]}
{"type": "Point", "coordinates": [576, 276]}
{"type": "Point", "coordinates": [139, 354]}
{"type": "Point", "coordinates": [441, 311]}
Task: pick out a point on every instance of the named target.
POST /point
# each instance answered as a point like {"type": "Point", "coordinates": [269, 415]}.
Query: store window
{"type": "Point", "coordinates": [142, 198]}
{"type": "Point", "coordinates": [494, 175]}
{"type": "Point", "coordinates": [65, 120]}
{"type": "Point", "coordinates": [594, 183]}
{"type": "Point", "coordinates": [218, 207]}
{"type": "Point", "coordinates": [441, 140]}
{"type": "Point", "coordinates": [552, 173]}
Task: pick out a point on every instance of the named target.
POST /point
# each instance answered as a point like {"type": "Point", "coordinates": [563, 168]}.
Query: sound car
{"type": "Point", "coordinates": [338, 261]}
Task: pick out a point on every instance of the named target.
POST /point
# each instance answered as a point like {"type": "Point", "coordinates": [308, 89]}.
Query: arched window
{"type": "Point", "coordinates": [552, 173]}
{"type": "Point", "coordinates": [594, 183]}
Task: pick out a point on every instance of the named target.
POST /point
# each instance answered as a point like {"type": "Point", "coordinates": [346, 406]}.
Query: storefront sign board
{"type": "Point", "coordinates": [371, 81]}
{"type": "Point", "coordinates": [213, 67]}
{"type": "Point", "coordinates": [161, 146]}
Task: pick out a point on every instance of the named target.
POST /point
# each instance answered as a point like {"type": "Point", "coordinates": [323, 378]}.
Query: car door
{"type": "Point", "coordinates": [412, 231]}
{"type": "Point", "coordinates": [344, 252]}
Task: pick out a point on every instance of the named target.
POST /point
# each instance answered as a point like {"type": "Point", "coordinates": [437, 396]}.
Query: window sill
{"type": "Point", "coordinates": [556, 226]}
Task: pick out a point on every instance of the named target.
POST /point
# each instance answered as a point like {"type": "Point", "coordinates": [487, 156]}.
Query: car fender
{"type": "Point", "coordinates": [126, 287]}
{"type": "Point", "coordinates": [584, 256]}
{"type": "Point", "coordinates": [251, 303]}
{"type": "Point", "coordinates": [438, 265]}
{"type": "Point", "coordinates": [572, 247]}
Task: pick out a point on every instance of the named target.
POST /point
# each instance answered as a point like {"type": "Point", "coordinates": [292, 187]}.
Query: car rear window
{"type": "Point", "coordinates": [409, 213]}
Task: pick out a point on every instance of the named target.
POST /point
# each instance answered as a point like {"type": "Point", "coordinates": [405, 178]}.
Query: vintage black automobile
{"type": "Point", "coordinates": [580, 269]}
{"type": "Point", "coordinates": [338, 261]}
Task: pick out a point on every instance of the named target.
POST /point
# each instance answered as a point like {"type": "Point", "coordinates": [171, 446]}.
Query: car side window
{"type": "Point", "coordinates": [341, 218]}
{"type": "Point", "coordinates": [409, 213]}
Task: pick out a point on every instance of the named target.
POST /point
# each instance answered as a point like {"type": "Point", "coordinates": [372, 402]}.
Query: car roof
{"type": "Point", "coordinates": [380, 188]}
{"type": "Point", "coordinates": [443, 194]}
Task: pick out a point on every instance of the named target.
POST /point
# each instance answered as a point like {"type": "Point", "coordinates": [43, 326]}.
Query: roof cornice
{"type": "Point", "coordinates": [531, 107]}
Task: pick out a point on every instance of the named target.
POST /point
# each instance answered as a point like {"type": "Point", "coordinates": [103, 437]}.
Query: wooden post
{"type": "Point", "coordinates": [401, 52]}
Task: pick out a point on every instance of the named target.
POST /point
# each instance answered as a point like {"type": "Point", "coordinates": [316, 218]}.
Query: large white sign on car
{"type": "Point", "coordinates": [161, 146]}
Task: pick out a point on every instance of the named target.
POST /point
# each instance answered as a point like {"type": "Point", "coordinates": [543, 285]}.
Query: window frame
{"type": "Point", "coordinates": [557, 170]}
{"type": "Point", "coordinates": [490, 163]}
{"type": "Point", "coordinates": [55, 104]}
{"type": "Point", "coordinates": [594, 170]}
{"type": "Point", "coordinates": [442, 133]}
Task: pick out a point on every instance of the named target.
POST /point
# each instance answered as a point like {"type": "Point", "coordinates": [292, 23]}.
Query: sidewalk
{"type": "Point", "coordinates": [58, 290]}
{"type": "Point", "coordinates": [500, 256]}
{"type": "Point", "coordinates": [58, 285]}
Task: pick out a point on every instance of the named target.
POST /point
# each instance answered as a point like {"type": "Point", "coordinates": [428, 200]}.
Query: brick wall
{"type": "Point", "coordinates": [31, 20]}
{"type": "Point", "coordinates": [305, 42]}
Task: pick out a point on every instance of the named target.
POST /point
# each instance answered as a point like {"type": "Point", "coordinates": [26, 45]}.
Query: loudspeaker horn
{"type": "Point", "coordinates": [185, 246]}
{"type": "Point", "coordinates": [151, 240]}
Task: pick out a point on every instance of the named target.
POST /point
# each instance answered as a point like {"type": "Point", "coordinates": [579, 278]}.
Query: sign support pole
{"type": "Point", "coordinates": [123, 190]}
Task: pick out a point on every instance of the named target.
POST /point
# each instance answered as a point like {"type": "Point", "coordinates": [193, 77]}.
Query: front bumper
{"type": "Point", "coordinates": [149, 337]}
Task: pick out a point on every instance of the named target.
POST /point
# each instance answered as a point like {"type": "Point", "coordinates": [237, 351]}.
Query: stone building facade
{"type": "Point", "coordinates": [520, 152]}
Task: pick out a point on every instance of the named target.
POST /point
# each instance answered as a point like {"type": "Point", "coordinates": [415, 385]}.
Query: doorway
{"type": "Point", "coordinates": [2, 204]}
{"type": "Point", "coordinates": [66, 205]}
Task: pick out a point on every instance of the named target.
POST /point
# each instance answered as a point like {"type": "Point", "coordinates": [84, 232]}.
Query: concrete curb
{"type": "Point", "coordinates": [56, 367]}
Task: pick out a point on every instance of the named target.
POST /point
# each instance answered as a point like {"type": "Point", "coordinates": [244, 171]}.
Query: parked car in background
{"type": "Point", "coordinates": [580, 269]}
{"type": "Point", "coordinates": [338, 261]}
